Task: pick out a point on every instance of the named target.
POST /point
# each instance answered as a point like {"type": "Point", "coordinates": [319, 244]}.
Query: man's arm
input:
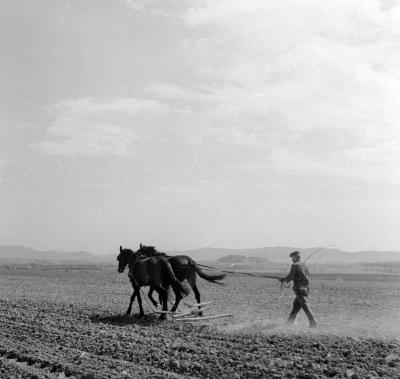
{"type": "Point", "coordinates": [290, 276]}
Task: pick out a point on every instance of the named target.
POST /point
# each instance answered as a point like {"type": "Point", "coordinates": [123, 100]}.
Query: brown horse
{"type": "Point", "coordinates": [155, 272]}
{"type": "Point", "coordinates": [184, 268]}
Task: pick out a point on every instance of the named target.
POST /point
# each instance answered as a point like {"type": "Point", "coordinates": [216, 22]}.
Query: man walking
{"type": "Point", "coordinates": [301, 286]}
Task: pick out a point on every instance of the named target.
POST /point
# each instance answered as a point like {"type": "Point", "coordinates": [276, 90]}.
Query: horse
{"type": "Point", "coordinates": [184, 268]}
{"type": "Point", "coordinates": [155, 272]}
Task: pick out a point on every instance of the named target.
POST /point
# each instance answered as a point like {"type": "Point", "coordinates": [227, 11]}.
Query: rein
{"type": "Point", "coordinates": [231, 272]}
{"type": "Point", "coordinates": [250, 274]}
{"type": "Point", "coordinates": [243, 273]}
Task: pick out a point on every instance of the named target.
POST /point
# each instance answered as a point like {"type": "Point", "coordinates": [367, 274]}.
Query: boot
{"type": "Point", "coordinates": [313, 324]}
{"type": "Point", "coordinates": [291, 320]}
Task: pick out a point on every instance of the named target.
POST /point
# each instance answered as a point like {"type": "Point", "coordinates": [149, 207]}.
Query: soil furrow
{"type": "Point", "coordinates": [45, 331]}
{"type": "Point", "coordinates": [50, 361]}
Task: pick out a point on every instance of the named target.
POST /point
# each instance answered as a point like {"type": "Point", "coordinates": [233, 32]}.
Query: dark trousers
{"type": "Point", "coordinates": [301, 303]}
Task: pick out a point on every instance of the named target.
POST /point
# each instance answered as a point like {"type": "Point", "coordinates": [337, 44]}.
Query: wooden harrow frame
{"type": "Point", "coordinates": [192, 314]}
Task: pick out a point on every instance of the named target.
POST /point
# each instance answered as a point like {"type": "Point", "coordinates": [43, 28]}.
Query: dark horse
{"type": "Point", "coordinates": [184, 268]}
{"type": "Point", "coordinates": [154, 271]}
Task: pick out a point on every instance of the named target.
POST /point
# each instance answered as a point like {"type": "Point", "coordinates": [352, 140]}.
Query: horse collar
{"type": "Point", "coordinates": [132, 278]}
{"type": "Point", "coordinates": [131, 262]}
{"type": "Point", "coordinates": [131, 266]}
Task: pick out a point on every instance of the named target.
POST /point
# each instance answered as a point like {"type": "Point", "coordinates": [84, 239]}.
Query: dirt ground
{"type": "Point", "coordinates": [71, 323]}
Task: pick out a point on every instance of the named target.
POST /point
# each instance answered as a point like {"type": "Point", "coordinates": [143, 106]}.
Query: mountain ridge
{"type": "Point", "coordinates": [281, 254]}
{"type": "Point", "coordinates": [278, 254]}
{"type": "Point", "coordinates": [19, 252]}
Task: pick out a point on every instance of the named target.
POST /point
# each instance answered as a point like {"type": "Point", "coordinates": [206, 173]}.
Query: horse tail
{"type": "Point", "coordinates": [210, 277]}
{"type": "Point", "coordinates": [177, 286]}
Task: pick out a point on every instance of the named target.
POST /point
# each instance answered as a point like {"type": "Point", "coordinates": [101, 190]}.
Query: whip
{"type": "Point", "coordinates": [317, 251]}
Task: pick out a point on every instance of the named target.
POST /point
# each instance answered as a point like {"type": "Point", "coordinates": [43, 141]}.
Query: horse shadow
{"type": "Point", "coordinates": [125, 320]}
{"type": "Point", "coordinates": [122, 320]}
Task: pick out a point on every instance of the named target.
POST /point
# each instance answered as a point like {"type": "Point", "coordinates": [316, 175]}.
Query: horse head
{"type": "Point", "coordinates": [123, 258]}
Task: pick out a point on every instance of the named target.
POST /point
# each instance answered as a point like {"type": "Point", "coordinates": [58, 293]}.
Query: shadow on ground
{"type": "Point", "coordinates": [151, 321]}
{"type": "Point", "coordinates": [123, 320]}
{"type": "Point", "coordinates": [256, 327]}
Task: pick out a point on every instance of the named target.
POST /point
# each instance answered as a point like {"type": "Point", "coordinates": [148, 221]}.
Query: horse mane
{"type": "Point", "coordinates": [150, 251]}
{"type": "Point", "coordinates": [137, 254]}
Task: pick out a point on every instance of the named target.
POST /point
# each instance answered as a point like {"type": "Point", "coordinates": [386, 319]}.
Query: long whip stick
{"type": "Point", "coordinates": [317, 251]}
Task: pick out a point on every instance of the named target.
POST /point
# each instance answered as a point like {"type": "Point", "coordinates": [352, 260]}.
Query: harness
{"type": "Point", "coordinates": [131, 266]}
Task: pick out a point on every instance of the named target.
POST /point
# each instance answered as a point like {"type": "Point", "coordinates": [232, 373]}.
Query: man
{"type": "Point", "coordinates": [301, 286]}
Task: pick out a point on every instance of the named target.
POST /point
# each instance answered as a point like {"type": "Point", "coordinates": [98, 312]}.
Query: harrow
{"type": "Point", "coordinates": [193, 313]}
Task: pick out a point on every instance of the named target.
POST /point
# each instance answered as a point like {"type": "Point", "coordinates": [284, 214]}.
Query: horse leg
{"type": "Point", "coordinates": [178, 298]}
{"type": "Point", "coordinates": [193, 284]}
{"type": "Point", "coordinates": [128, 312]}
{"type": "Point", "coordinates": [150, 295]}
{"type": "Point", "coordinates": [139, 299]}
{"type": "Point", "coordinates": [164, 301]}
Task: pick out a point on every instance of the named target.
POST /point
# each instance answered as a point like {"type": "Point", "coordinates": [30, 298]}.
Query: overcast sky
{"type": "Point", "coordinates": [185, 124]}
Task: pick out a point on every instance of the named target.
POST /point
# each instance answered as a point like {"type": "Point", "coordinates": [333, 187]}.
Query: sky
{"type": "Point", "coordinates": [184, 124]}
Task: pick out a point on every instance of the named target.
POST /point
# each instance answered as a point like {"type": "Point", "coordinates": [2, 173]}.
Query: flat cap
{"type": "Point", "coordinates": [294, 253]}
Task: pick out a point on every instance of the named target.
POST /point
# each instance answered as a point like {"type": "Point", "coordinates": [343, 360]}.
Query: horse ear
{"type": "Point", "coordinates": [141, 245]}
{"type": "Point", "coordinates": [120, 249]}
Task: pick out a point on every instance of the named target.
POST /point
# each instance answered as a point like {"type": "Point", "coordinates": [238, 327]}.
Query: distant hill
{"type": "Point", "coordinates": [28, 254]}
{"type": "Point", "coordinates": [280, 254]}
{"type": "Point", "coordinates": [240, 262]}
{"type": "Point", "coordinates": [243, 257]}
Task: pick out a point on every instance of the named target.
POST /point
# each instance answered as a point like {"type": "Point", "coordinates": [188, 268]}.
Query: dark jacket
{"type": "Point", "coordinates": [299, 274]}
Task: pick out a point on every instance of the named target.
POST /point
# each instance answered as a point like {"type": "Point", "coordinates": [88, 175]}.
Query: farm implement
{"type": "Point", "coordinates": [194, 313]}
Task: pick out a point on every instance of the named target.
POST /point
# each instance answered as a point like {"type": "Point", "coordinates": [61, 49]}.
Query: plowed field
{"type": "Point", "coordinates": [58, 323]}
